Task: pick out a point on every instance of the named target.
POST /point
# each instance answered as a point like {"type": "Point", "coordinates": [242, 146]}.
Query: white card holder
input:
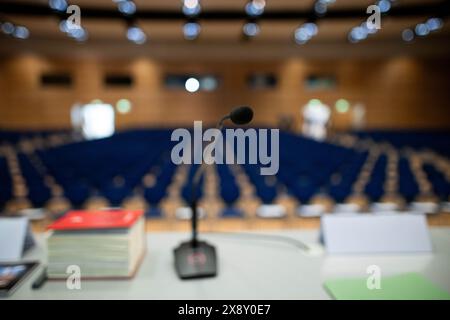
{"type": "Point", "coordinates": [380, 233]}
{"type": "Point", "coordinates": [271, 211]}
{"type": "Point", "coordinates": [311, 210]}
{"type": "Point", "coordinates": [424, 207]}
{"type": "Point", "coordinates": [185, 213]}
{"type": "Point", "coordinates": [15, 238]}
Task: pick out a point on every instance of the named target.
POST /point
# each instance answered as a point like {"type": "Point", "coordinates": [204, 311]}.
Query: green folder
{"type": "Point", "coordinates": [406, 286]}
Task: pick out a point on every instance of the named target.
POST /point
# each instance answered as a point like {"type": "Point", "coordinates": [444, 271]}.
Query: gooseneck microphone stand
{"type": "Point", "coordinates": [194, 258]}
{"type": "Point", "coordinates": [195, 185]}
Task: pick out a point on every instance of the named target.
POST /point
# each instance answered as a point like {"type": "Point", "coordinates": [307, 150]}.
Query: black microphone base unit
{"type": "Point", "coordinates": [195, 260]}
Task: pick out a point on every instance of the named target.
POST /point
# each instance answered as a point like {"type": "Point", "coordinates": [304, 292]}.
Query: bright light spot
{"type": "Point", "coordinates": [311, 28]}
{"type": "Point", "coordinates": [123, 106]}
{"type": "Point", "coordinates": [316, 116]}
{"type": "Point", "coordinates": [192, 85]}
{"type": "Point", "coordinates": [192, 11]}
{"type": "Point", "coordinates": [251, 29]}
{"type": "Point", "coordinates": [408, 35]}
{"type": "Point", "coordinates": [64, 26]}
{"type": "Point", "coordinates": [59, 5]}
{"type": "Point", "coordinates": [384, 5]}
{"type": "Point", "coordinates": [79, 34]}
{"type": "Point", "coordinates": [208, 83]}
{"type": "Point", "coordinates": [301, 35]}
{"type": "Point", "coordinates": [21, 32]}
{"type": "Point", "coordinates": [191, 4]}
{"type": "Point", "coordinates": [434, 24]}
{"type": "Point", "coordinates": [314, 102]}
{"type": "Point", "coordinates": [342, 106]}
{"type": "Point", "coordinates": [136, 35]}
{"type": "Point", "coordinates": [76, 117]}
{"type": "Point", "coordinates": [370, 30]}
{"type": "Point", "coordinates": [7, 28]}
{"type": "Point", "coordinates": [255, 7]}
{"type": "Point", "coordinates": [259, 4]}
{"type": "Point", "coordinates": [98, 121]}
{"type": "Point", "coordinates": [320, 7]}
{"type": "Point", "coordinates": [305, 32]}
{"type": "Point", "coordinates": [191, 30]}
{"type": "Point", "coordinates": [127, 7]}
{"type": "Point", "coordinates": [359, 33]}
{"type": "Point", "coordinates": [422, 29]}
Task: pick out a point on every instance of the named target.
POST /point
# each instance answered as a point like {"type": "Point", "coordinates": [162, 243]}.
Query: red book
{"type": "Point", "coordinates": [102, 219]}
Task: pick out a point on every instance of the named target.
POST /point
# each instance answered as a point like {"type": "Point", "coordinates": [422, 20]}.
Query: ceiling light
{"type": "Point", "coordinates": [127, 7]}
{"type": "Point", "coordinates": [79, 34]}
{"type": "Point", "coordinates": [136, 35]}
{"type": "Point", "coordinates": [21, 32]}
{"type": "Point", "coordinates": [342, 106]}
{"type": "Point", "coordinates": [320, 7]}
{"type": "Point", "coordinates": [434, 24]}
{"type": "Point", "coordinates": [191, 7]}
{"type": "Point", "coordinates": [422, 29]}
{"type": "Point", "coordinates": [192, 85]}
{"type": "Point", "coordinates": [191, 30]}
{"type": "Point", "coordinates": [384, 5]}
{"type": "Point", "coordinates": [305, 32]}
{"type": "Point", "coordinates": [123, 106]}
{"type": "Point", "coordinates": [251, 29]}
{"type": "Point", "coordinates": [255, 7]}
{"type": "Point", "coordinates": [58, 5]}
{"type": "Point", "coordinates": [408, 35]}
{"type": "Point", "coordinates": [8, 28]}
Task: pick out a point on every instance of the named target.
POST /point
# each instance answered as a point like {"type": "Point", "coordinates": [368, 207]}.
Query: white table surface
{"type": "Point", "coordinates": [248, 269]}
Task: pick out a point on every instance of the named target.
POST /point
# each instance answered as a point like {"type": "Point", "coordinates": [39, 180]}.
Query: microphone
{"type": "Point", "coordinates": [194, 258]}
{"type": "Point", "coordinates": [241, 115]}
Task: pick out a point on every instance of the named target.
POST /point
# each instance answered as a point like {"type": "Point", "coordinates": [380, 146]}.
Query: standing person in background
{"type": "Point", "coordinates": [315, 119]}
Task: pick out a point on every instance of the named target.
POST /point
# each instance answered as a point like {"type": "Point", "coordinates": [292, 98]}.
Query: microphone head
{"type": "Point", "coordinates": [241, 115]}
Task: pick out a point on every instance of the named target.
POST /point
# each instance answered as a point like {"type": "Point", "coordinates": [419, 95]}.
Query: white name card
{"type": "Point", "coordinates": [380, 233]}
{"type": "Point", "coordinates": [271, 211]}
{"type": "Point", "coordinates": [15, 238]}
{"type": "Point", "coordinates": [185, 213]}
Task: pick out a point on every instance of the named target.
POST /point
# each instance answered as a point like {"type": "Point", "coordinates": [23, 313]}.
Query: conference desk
{"type": "Point", "coordinates": [249, 268]}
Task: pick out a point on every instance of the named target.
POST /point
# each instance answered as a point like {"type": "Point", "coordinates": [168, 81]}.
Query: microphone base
{"type": "Point", "coordinates": [193, 262]}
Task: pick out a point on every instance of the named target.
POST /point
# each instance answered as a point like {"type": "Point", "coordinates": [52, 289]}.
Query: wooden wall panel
{"type": "Point", "coordinates": [398, 92]}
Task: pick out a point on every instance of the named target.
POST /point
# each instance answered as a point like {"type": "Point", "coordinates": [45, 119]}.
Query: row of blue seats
{"type": "Point", "coordinates": [13, 137]}
{"type": "Point", "coordinates": [111, 167]}
{"type": "Point", "coordinates": [437, 140]}
{"type": "Point", "coordinates": [114, 168]}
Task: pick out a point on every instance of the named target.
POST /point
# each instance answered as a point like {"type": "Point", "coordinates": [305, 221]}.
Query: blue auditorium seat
{"type": "Point", "coordinates": [441, 186]}
{"type": "Point", "coordinates": [155, 194]}
{"type": "Point", "coordinates": [438, 140]}
{"type": "Point", "coordinates": [5, 182]}
{"type": "Point", "coordinates": [154, 212]}
{"type": "Point", "coordinates": [266, 191]}
{"type": "Point", "coordinates": [229, 192]}
{"type": "Point", "coordinates": [306, 167]}
{"type": "Point", "coordinates": [408, 186]}
{"type": "Point", "coordinates": [374, 189]}
{"type": "Point", "coordinates": [95, 165]}
{"type": "Point", "coordinates": [186, 190]}
{"type": "Point", "coordinates": [38, 192]}
{"type": "Point", "coordinates": [347, 176]}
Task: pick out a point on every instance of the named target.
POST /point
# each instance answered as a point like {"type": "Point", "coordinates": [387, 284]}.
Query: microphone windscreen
{"type": "Point", "coordinates": [241, 115]}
